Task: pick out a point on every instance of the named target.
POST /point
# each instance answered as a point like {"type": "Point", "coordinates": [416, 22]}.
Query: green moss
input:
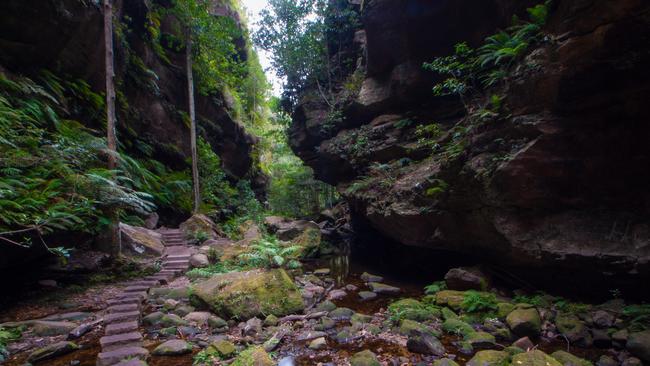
{"type": "Point", "coordinates": [243, 295]}
{"type": "Point", "coordinates": [534, 358]}
{"type": "Point", "coordinates": [253, 356]}
{"type": "Point", "coordinates": [413, 310]}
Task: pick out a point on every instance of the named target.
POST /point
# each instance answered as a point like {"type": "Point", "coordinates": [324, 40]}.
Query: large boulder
{"type": "Point", "coordinates": [309, 240]}
{"type": "Point", "coordinates": [52, 350]}
{"type": "Point", "coordinates": [173, 347]}
{"type": "Point", "coordinates": [639, 345]}
{"type": "Point", "coordinates": [244, 295]}
{"type": "Point", "coordinates": [141, 241]}
{"type": "Point", "coordinates": [567, 359]}
{"type": "Point", "coordinates": [464, 279]}
{"type": "Point", "coordinates": [201, 223]}
{"type": "Point", "coordinates": [574, 329]}
{"type": "Point", "coordinates": [292, 229]}
{"type": "Point", "coordinates": [489, 358]}
{"type": "Point", "coordinates": [534, 358]}
{"type": "Point", "coordinates": [525, 322]}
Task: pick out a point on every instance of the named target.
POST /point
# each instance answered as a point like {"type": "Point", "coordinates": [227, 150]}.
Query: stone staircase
{"type": "Point", "coordinates": [122, 343]}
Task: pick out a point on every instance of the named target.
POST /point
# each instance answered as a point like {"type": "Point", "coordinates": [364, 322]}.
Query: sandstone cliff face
{"type": "Point", "coordinates": [555, 186]}
{"type": "Point", "coordinates": [66, 37]}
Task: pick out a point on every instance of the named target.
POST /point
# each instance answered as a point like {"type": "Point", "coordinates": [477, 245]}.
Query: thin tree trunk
{"type": "Point", "coordinates": [190, 94]}
{"type": "Point", "coordinates": [111, 138]}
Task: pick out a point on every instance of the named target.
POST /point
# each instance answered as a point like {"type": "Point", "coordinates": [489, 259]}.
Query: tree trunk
{"type": "Point", "coordinates": [190, 94]}
{"type": "Point", "coordinates": [111, 138]}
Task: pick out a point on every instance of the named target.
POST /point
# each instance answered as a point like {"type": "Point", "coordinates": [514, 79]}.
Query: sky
{"type": "Point", "coordinates": [253, 7]}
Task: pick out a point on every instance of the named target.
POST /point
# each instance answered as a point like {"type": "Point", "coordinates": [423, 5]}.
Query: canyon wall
{"type": "Point", "coordinates": [553, 189]}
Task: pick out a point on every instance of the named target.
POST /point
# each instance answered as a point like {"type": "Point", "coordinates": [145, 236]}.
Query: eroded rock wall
{"type": "Point", "coordinates": [66, 38]}
{"type": "Point", "coordinates": [556, 188]}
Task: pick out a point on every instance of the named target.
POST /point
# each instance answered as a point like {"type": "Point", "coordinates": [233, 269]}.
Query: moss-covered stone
{"type": "Point", "coordinates": [244, 295]}
{"type": "Point", "coordinates": [309, 241]}
{"type": "Point", "coordinates": [52, 350]}
{"type": "Point", "coordinates": [445, 362]}
{"type": "Point", "coordinates": [172, 320]}
{"type": "Point", "coordinates": [450, 298]}
{"type": "Point", "coordinates": [325, 306]}
{"type": "Point", "coordinates": [410, 327]}
{"type": "Point", "coordinates": [173, 348]}
{"type": "Point", "coordinates": [224, 348]}
{"type": "Point", "coordinates": [457, 326]}
{"type": "Point", "coordinates": [534, 358]}
{"type": "Point", "coordinates": [567, 359]}
{"type": "Point", "coordinates": [253, 356]}
{"type": "Point", "coordinates": [271, 320]}
{"type": "Point", "coordinates": [480, 340]}
{"type": "Point", "coordinates": [573, 328]}
{"type": "Point", "coordinates": [489, 358]}
{"type": "Point", "coordinates": [525, 322]}
{"type": "Point", "coordinates": [503, 309]}
{"type": "Point", "coordinates": [364, 358]}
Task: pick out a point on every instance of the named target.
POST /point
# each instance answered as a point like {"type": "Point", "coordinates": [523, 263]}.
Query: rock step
{"type": "Point", "coordinates": [113, 342]}
{"type": "Point", "coordinates": [161, 279]}
{"type": "Point", "coordinates": [176, 261]}
{"type": "Point", "coordinates": [119, 328]}
{"type": "Point", "coordinates": [122, 317]}
{"type": "Point", "coordinates": [137, 288]}
{"type": "Point", "coordinates": [180, 267]}
{"type": "Point", "coordinates": [178, 257]}
{"type": "Point", "coordinates": [112, 357]}
{"type": "Point", "coordinates": [170, 271]}
{"type": "Point", "coordinates": [124, 301]}
{"type": "Point", "coordinates": [132, 295]}
{"type": "Point", "coordinates": [143, 282]}
{"type": "Point", "coordinates": [124, 308]}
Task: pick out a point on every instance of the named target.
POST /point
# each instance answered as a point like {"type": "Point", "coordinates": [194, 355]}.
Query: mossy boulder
{"type": "Point", "coordinates": [253, 356]}
{"type": "Point", "coordinates": [52, 350]}
{"type": "Point", "coordinates": [445, 362]}
{"type": "Point", "coordinates": [364, 358]}
{"type": "Point", "coordinates": [639, 345]}
{"type": "Point", "coordinates": [173, 347]}
{"type": "Point", "coordinates": [201, 223]}
{"type": "Point", "coordinates": [309, 241]}
{"type": "Point", "coordinates": [573, 328]}
{"type": "Point", "coordinates": [534, 358]}
{"type": "Point", "coordinates": [410, 327]}
{"type": "Point", "coordinates": [457, 326]}
{"type": "Point", "coordinates": [567, 359]}
{"type": "Point", "coordinates": [504, 308]}
{"type": "Point", "coordinates": [244, 295]}
{"type": "Point", "coordinates": [525, 322]}
{"type": "Point", "coordinates": [489, 358]}
{"type": "Point", "coordinates": [46, 328]}
{"type": "Point", "coordinates": [141, 241]}
{"type": "Point", "coordinates": [450, 298]}
{"type": "Point", "coordinates": [480, 340]}
{"type": "Point", "coordinates": [224, 348]}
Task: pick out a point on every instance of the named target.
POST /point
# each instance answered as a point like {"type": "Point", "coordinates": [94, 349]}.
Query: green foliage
{"type": "Point", "coordinates": [293, 190]}
{"type": "Point", "coordinates": [299, 35]}
{"type": "Point", "coordinates": [439, 187]}
{"type": "Point", "coordinates": [428, 135]}
{"type": "Point", "coordinates": [468, 69]}
{"type": "Point", "coordinates": [53, 175]}
{"type": "Point", "coordinates": [412, 310]}
{"type": "Point", "coordinates": [269, 252]}
{"type": "Point", "coordinates": [8, 335]}
{"type": "Point", "coordinates": [639, 316]}
{"type": "Point", "coordinates": [435, 287]}
{"type": "Point", "coordinates": [475, 301]}
{"type": "Point", "coordinates": [403, 123]}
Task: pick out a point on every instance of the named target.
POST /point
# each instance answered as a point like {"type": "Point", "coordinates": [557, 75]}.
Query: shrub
{"type": "Point", "coordinates": [475, 301]}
